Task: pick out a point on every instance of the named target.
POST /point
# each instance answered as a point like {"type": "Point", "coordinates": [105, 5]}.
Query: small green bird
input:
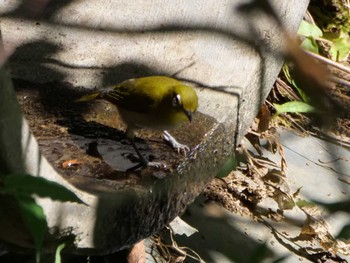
{"type": "Point", "coordinates": [155, 102]}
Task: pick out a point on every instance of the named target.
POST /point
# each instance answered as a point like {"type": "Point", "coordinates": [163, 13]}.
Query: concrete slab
{"type": "Point", "coordinates": [229, 54]}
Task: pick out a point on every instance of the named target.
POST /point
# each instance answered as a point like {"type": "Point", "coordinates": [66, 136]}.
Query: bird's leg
{"type": "Point", "coordinates": [130, 134]}
{"type": "Point", "coordinates": [143, 161]}
{"type": "Point", "coordinates": [178, 147]}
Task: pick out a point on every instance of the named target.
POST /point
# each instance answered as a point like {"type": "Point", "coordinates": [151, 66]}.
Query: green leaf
{"type": "Point", "coordinates": [27, 185]}
{"type": "Point", "coordinates": [294, 106]}
{"type": "Point", "coordinates": [309, 43]}
{"type": "Point", "coordinates": [304, 203]}
{"type": "Point", "coordinates": [309, 30]}
{"type": "Point", "coordinates": [35, 220]}
{"type": "Point", "coordinates": [228, 167]}
{"type": "Point", "coordinates": [286, 73]}
{"type": "Point", "coordinates": [340, 48]}
{"type": "Point", "coordinates": [58, 253]}
{"type": "Point", "coordinates": [288, 76]}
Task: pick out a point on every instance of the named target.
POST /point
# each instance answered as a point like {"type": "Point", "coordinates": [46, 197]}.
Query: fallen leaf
{"type": "Point", "coordinates": [264, 117]}
{"type": "Point", "coordinates": [71, 163]}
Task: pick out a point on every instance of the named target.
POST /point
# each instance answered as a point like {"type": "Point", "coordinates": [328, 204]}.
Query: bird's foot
{"type": "Point", "coordinates": [148, 164]}
{"type": "Point", "coordinates": [157, 165]}
{"type": "Point", "coordinates": [143, 163]}
{"type": "Point", "coordinates": [178, 147]}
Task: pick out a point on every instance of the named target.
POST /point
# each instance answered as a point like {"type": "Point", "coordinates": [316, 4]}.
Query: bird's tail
{"type": "Point", "coordinates": [88, 97]}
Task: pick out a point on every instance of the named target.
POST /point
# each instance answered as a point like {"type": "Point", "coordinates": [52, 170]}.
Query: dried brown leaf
{"type": "Point", "coordinates": [264, 118]}
{"type": "Point", "coordinates": [254, 141]}
{"type": "Point", "coordinates": [275, 176]}
{"type": "Point", "coordinates": [316, 228]}
{"type": "Point", "coordinates": [285, 90]}
{"type": "Point", "coordinates": [274, 146]}
{"type": "Point", "coordinates": [296, 193]}
{"type": "Point", "coordinates": [280, 189]}
{"type": "Point", "coordinates": [71, 163]}
{"type": "Point", "coordinates": [283, 200]}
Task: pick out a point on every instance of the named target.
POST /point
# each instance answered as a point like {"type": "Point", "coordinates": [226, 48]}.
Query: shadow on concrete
{"type": "Point", "coordinates": [218, 240]}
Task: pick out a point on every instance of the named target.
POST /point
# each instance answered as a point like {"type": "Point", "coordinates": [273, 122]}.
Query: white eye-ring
{"type": "Point", "coordinates": [176, 100]}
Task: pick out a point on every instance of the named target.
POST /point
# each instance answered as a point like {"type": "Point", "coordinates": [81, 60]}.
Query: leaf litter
{"type": "Point", "coordinates": [257, 179]}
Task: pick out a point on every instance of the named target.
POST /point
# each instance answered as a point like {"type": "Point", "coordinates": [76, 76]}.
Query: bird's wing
{"type": "Point", "coordinates": [133, 97]}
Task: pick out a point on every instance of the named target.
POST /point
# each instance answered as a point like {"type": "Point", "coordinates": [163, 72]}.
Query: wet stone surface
{"type": "Point", "coordinates": [85, 142]}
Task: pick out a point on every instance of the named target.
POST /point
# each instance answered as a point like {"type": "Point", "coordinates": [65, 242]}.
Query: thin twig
{"type": "Point", "coordinates": [329, 62]}
{"type": "Point", "coordinates": [340, 81]}
{"type": "Point", "coordinates": [288, 89]}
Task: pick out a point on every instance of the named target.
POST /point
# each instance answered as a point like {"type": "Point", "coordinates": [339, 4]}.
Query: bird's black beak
{"type": "Point", "coordinates": [189, 114]}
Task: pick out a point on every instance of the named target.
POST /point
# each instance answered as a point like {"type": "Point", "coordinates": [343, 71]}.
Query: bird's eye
{"type": "Point", "coordinates": [176, 101]}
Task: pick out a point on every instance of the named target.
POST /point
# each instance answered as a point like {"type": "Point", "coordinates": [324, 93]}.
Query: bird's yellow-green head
{"type": "Point", "coordinates": [184, 102]}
